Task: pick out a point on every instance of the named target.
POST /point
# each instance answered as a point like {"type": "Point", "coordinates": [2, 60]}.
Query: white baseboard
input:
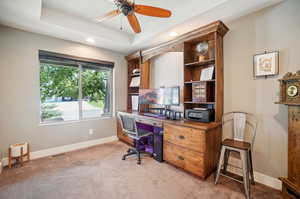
{"type": "Point", "coordinates": [66, 148]}
{"type": "Point", "coordinates": [258, 177]}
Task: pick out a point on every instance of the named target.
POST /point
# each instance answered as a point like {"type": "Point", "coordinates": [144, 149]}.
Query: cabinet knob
{"type": "Point", "coordinates": [181, 137]}
{"type": "Point", "coordinates": [180, 158]}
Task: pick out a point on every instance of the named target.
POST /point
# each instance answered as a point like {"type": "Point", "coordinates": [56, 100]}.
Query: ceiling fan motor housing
{"type": "Point", "coordinates": [126, 9]}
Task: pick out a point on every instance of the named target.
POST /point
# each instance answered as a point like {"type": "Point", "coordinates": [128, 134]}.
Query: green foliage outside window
{"type": "Point", "coordinates": [63, 81]}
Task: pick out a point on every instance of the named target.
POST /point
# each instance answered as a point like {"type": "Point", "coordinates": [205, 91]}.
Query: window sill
{"type": "Point", "coordinates": [75, 121]}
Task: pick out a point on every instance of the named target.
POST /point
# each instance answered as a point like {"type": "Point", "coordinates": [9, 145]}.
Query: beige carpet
{"type": "Point", "coordinates": [99, 173]}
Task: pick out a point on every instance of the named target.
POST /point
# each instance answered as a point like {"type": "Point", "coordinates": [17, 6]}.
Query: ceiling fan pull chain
{"type": "Point", "coordinates": [121, 27]}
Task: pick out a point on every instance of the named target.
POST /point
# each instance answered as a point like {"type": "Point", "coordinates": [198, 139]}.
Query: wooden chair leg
{"type": "Point", "coordinates": [227, 154]}
{"type": "Point", "coordinates": [9, 158]}
{"type": "Point", "coordinates": [244, 157]}
{"type": "Point", "coordinates": [21, 157]}
{"type": "Point", "coordinates": [220, 164]}
{"type": "Point", "coordinates": [28, 153]}
{"type": "Point", "coordinates": [251, 167]}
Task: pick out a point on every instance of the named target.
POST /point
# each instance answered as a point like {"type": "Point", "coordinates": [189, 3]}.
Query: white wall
{"type": "Point", "coordinates": [166, 70]}
{"type": "Point", "coordinates": [19, 88]}
{"type": "Point", "coordinates": [274, 28]}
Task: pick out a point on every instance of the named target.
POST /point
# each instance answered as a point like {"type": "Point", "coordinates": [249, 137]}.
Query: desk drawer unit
{"type": "Point", "coordinates": [192, 149]}
{"type": "Point", "coordinates": [186, 137]}
{"type": "Point", "coordinates": [183, 158]}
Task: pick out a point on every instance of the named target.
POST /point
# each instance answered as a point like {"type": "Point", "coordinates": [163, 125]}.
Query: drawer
{"type": "Point", "coordinates": [188, 160]}
{"type": "Point", "coordinates": [186, 137]}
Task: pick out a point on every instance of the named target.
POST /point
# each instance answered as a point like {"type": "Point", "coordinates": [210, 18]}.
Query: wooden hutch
{"type": "Point", "coordinates": [290, 96]}
{"type": "Point", "coordinates": [190, 145]}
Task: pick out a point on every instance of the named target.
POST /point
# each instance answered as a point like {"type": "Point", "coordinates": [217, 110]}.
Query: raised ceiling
{"type": "Point", "coordinates": [75, 19]}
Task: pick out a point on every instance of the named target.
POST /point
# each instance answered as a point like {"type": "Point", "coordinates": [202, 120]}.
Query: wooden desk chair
{"type": "Point", "coordinates": [242, 138]}
{"type": "Point", "coordinates": [128, 124]}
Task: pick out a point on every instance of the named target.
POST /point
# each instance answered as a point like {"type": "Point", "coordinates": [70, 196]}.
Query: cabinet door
{"type": "Point", "coordinates": [186, 159]}
{"type": "Point", "coordinates": [186, 137]}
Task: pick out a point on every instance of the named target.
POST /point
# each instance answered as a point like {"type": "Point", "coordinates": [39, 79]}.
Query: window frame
{"type": "Point", "coordinates": [79, 62]}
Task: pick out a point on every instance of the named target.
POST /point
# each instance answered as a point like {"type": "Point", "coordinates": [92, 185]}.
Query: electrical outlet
{"type": "Point", "coordinates": [91, 131]}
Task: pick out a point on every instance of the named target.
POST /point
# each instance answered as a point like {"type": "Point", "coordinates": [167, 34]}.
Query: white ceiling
{"type": "Point", "coordinates": [75, 19]}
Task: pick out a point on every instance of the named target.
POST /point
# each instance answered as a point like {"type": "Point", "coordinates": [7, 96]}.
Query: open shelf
{"type": "Point", "coordinates": [135, 75]}
{"type": "Point", "coordinates": [190, 82]}
{"type": "Point", "coordinates": [194, 102]}
{"type": "Point", "coordinates": [133, 93]}
{"type": "Point", "coordinates": [288, 103]}
{"type": "Point", "coordinates": [202, 63]}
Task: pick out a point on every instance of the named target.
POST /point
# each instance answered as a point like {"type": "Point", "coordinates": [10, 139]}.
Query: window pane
{"type": "Point", "coordinates": [59, 92]}
{"type": "Point", "coordinates": [95, 92]}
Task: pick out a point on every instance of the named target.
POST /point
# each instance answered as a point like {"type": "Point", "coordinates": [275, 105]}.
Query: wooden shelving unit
{"type": "Point", "coordinates": [144, 82]}
{"type": "Point", "coordinates": [202, 63]}
{"type": "Point", "coordinates": [195, 102]}
{"type": "Point", "coordinates": [132, 64]}
{"type": "Point", "coordinates": [193, 69]}
{"type": "Point", "coordinates": [204, 140]}
{"type": "Point", "coordinates": [191, 82]}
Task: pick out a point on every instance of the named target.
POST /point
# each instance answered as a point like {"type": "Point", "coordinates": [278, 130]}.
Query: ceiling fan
{"type": "Point", "coordinates": [128, 9]}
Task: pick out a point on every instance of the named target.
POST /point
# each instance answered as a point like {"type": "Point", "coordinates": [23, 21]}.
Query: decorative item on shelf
{"type": "Point", "coordinates": [136, 72]}
{"type": "Point", "coordinates": [18, 152]}
{"type": "Point", "coordinates": [135, 81]}
{"type": "Point", "coordinates": [266, 64]}
{"type": "Point", "coordinates": [288, 75]}
{"type": "Point", "coordinates": [202, 49]}
{"type": "Point", "coordinates": [207, 73]}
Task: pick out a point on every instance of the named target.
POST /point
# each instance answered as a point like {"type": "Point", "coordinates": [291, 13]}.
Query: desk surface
{"type": "Point", "coordinates": [183, 122]}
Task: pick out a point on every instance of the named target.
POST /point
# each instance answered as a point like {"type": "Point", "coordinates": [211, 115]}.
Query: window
{"type": "Point", "coordinates": [74, 88]}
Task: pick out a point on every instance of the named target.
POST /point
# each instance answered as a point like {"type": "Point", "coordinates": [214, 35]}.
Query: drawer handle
{"type": "Point", "coordinates": [180, 158]}
{"type": "Point", "coordinates": [181, 137]}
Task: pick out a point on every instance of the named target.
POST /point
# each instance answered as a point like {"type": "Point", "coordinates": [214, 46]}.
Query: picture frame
{"type": "Point", "coordinates": [207, 73]}
{"type": "Point", "coordinates": [266, 64]}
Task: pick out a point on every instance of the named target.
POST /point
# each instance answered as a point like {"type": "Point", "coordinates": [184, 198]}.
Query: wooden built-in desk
{"type": "Point", "coordinates": [191, 146]}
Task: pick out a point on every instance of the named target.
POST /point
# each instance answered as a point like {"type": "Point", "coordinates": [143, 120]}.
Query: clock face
{"type": "Point", "coordinates": [292, 91]}
{"type": "Point", "coordinates": [202, 48]}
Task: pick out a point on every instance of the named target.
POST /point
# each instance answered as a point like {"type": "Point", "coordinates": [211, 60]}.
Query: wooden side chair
{"type": "Point", "coordinates": [243, 130]}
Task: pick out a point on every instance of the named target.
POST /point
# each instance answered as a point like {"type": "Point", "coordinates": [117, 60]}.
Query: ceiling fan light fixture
{"type": "Point", "coordinates": [173, 34]}
{"type": "Point", "coordinates": [90, 40]}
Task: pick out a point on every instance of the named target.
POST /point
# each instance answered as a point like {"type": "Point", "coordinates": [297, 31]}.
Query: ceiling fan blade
{"type": "Point", "coordinates": [134, 23]}
{"type": "Point", "coordinates": [152, 11]}
{"type": "Point", "coordinates": [108, 15]}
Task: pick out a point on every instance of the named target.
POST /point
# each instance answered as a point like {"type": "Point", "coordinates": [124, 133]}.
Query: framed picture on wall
{"type": "Point", "coordinates": [266, 64]}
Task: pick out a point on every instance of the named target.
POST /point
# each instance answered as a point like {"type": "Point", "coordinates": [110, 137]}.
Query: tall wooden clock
{"type": "Point", "coordinates": [290, 96]}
